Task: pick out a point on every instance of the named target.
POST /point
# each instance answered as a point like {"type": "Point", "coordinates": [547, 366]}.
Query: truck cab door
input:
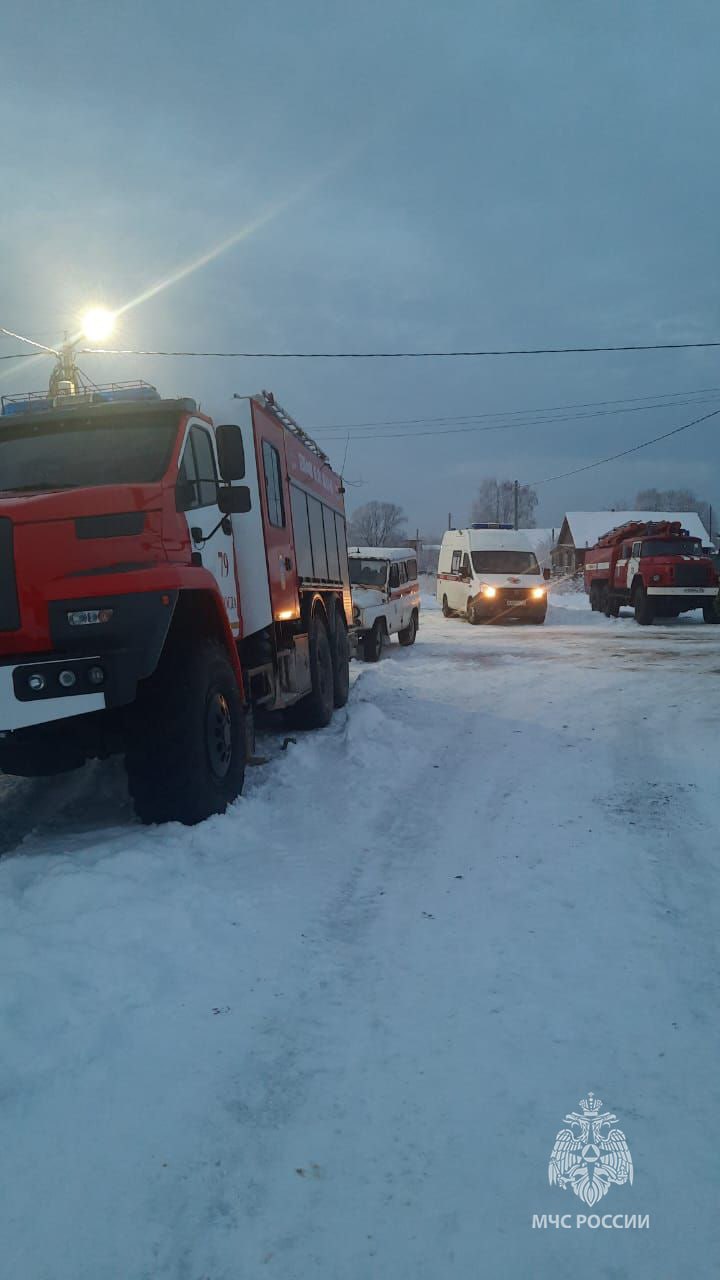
{"type": "Point", "coordinates": [210, 533]}
{"type": "Point", "coordinates": [633, 564]}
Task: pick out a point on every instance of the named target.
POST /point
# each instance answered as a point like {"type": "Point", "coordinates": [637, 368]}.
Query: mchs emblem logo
{"type": "Point", "coordinates": [590, 1156]}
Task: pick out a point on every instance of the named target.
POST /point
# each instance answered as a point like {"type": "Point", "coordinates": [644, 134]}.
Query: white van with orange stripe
{"type": "Point", "coordinates": [490, 573]}
{"type": "Point", "coordinates": [386, 596]}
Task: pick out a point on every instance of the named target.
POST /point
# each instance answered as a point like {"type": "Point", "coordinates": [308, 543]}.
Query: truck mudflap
{"type": "Point", "coordinates": [101, 648]}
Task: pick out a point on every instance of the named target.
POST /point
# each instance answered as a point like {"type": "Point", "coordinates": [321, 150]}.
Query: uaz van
{"type": "Point", "coordinates": [490, 573]}
{"type": "Point", "coordinates": [386, 596]}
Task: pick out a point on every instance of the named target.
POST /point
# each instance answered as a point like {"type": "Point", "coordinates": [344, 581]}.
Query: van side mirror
{"type": "Point", "coordinates": [546, 574]}
{"type": "Point", "coordinates": [231, 452]}
{"type": "Point", "coordinates": [234, 500]}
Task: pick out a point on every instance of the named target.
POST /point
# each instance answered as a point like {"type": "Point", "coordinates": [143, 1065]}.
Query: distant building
{"type": "Point", "coordinates": [581, 530]}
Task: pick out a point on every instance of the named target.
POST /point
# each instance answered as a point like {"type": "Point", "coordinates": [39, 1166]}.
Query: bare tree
{"type": "Point", "coordinates": [669, 500]}
{"type": "Point", "coordinates": [495, 503]}
{"type": "Point", "coordinates": [377, 524]}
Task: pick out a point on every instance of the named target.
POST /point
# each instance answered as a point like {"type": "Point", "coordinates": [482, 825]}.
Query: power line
{"type": "Point", "coordinates": [508, 413]}
{"type": "Point", "coordinates": [402, 355]}
{"type": "Point", "coordinates": [635, 448]}
{"type": "Point", "coordinates": [527, 422]}
{"type": "Point", "coordinates": [23, 355]}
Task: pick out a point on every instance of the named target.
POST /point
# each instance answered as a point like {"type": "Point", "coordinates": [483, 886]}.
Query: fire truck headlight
{"type": "Point", "coordinates": [88, 617]}
{"type": "Point", "coordinates": [97, 324]}
{"type": "Point", "coordinates": [36, 682]}
{"type": "Point", "coordinates": [656, 577]}
{"type": "Point", "coordinates": [488, 592]}
{"type": "Point", "coordinates": [67, 679]}
{"type": "Point", "coordinates": [538, 593]}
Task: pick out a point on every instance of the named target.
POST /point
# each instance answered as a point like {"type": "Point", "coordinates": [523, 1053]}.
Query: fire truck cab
{"type": "Point", "coordinates": [164, 573]}
{"type": "Point", "coordinates": [654, 566]}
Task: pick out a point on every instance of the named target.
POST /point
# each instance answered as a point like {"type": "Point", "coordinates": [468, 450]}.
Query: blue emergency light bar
{"type": "Point", "coordinates": [492, 526]}
{"type": "Point", "coordinates": [108, 393]}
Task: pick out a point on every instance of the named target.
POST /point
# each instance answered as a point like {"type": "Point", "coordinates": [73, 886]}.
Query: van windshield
{"type": "Point", "coordinates": [505, 562]}
{"type": "Point", "coordinates": [367, 573]}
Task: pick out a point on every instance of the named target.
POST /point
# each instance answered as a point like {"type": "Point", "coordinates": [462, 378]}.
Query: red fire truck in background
{"type": "Point", "coordinates": [655, 566]}
{"type": "Point", "coordinates": [162, 576]}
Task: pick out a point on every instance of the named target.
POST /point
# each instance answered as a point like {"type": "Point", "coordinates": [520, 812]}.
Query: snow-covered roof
{"type": "Point", "coordinates": [383, 553]}
{"type": "Point", "coordinates": [587, 526]}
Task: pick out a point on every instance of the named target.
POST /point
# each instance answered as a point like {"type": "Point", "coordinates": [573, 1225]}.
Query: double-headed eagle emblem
{"type": "Point", "coordinates": [590, 1156]}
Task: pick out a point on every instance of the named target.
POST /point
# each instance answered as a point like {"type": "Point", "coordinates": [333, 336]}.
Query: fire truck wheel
{"type": "Point", "coordinates": [315, 710]}
{"type": "Point", "coordinates": [710, 612]}
{"type": "Point", "coordinates": [447, 611]}
{"type": "Point", "coordinates": [341, 664]}
{"type": "Point", "coordinates": [185, 757]}
{"type": "Point", "coordinates": [408, 634]}
{"type": "Point", "coordinates": [643, 607]}
{"type": "Point", "coordinates": [373, 642]}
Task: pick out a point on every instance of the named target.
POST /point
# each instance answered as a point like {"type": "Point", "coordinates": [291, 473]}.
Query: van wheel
{"type": "Point", "coordinates": [373, 642]}
{"type": "Point", "coordinates": [341, 662]}
{"type": "Point", "coordinates": [185, 756]}
{"type": "Point", "coordinates": [473, 616]}
{"type": "Point", "coordinates": [407, 636]}
{"type": "Point", "coordinates": [314, 711]}
{"type": "Point", "coordinates": [447, 611]}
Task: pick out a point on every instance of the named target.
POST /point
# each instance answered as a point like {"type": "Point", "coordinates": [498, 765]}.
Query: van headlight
{"type": "Point", "coordinates": [488, 592]}
{"type": "Point", "coordinates": [538, 593]}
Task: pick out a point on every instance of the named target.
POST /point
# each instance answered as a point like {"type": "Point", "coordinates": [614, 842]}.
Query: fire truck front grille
{"type": "Point", "coordinates": [691, 575]}
{"type": "Point", "coordinates": [9, 610]}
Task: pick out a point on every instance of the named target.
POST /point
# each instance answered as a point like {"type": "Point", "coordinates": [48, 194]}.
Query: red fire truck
{"type": "Point", "coordinates": [162, 577]}
{"type": "Point", "coordinates": [655, 566]}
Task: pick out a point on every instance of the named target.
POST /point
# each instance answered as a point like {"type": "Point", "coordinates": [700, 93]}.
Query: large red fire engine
{"type": "Point", "coordinates": [162, 576]}
{"type": "Point", "coordinates": [655, 566]}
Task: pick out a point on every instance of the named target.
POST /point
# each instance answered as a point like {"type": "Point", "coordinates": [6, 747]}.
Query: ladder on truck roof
{"type": "Point", "coordinates": [268, 401]}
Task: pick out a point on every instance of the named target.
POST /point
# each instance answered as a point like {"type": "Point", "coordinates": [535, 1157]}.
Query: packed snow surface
{"type": "Point", "coordinates": [335, 1033]}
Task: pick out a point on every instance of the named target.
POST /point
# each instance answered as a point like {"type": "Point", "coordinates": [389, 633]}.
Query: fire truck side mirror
{"type": "Point", "coordinates": [234, 500]}
{"type": "Point", "coordinates": [231, 453]}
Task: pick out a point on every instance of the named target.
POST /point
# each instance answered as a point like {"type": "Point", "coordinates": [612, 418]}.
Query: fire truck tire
{"type": "Point", "coordinates": [643, 607]}
{"type": "Point", "coordinates": [408, 634]}
{"type": "Point", "coordinates": [315, 710]}
{"type": "Point", "coordinates": [185, 757]}
{"type": "Point", "coordinates": [341, 663]}
{"type": "Point", "coordinates": [447, 611]}
{"type": "Point", "coordinates": [710, 612]}
{"type": "Point", "coordinates": [373, 641]}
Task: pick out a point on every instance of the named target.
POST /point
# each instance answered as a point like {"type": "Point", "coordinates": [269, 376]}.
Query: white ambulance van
{"type": "Point", "coordinates": [385, 596]}
{"type": "Point", "coordinates": [490, 573]}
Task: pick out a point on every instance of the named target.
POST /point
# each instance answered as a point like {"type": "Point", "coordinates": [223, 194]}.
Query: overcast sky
{"type": "Point", "coordinates": [411, 176]}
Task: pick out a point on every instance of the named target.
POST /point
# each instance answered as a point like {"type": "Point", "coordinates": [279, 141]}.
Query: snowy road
{"type": "Point", "coordinates": [335, 1033]}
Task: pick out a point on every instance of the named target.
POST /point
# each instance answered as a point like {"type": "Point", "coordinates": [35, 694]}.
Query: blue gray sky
{"type": "Point", "coordinates": [460, 175]}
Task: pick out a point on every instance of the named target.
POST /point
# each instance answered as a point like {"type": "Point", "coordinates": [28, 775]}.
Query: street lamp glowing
{"type": "Point", "coordinates": [98, 324]}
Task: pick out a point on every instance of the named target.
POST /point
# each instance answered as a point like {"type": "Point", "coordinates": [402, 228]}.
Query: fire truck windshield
{"type": "Point", "coordinates": [504, 562]}
{"type": "Point", "coordinates": [671, 547]}
{"type": "Point", "coordinates": [83, 452]}
{"type": "Point", "coordinates": [367, 573]}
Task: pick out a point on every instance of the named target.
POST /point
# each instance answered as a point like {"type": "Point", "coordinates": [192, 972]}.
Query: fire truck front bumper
{"type": "Point", "coordinates": [101, 648]}
{"type": "Point", "coordinates": [35, 692]}
{"type": "Point", "coordinates": [702, 593]}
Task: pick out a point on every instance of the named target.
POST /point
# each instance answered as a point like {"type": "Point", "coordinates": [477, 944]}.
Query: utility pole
{"type": "Point", "coordinates": [515, 502]}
